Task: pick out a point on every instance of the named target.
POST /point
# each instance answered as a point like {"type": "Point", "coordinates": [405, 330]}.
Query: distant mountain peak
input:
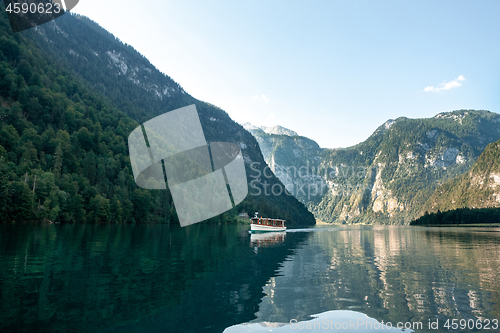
{"type": "Point", "coordinates": [277, 129]}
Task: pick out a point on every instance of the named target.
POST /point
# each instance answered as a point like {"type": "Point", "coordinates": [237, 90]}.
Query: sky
{"type": "Point", "coordinates": [332, 71]}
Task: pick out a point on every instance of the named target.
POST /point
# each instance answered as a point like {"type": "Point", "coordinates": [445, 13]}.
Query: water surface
{"type": "Point", "coordinates": [209, 278]}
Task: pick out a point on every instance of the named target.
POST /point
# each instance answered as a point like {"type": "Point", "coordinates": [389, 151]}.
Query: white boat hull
{"type": "Point", "coordinates": [260, 227]}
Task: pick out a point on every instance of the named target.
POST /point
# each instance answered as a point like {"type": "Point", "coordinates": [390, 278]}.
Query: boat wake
{"type": "Point", "coordinates": [312, 229]}
{"type": "Point", "coordinates": [304, 230]}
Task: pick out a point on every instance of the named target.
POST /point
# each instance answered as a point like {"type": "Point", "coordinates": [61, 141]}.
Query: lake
{"type": "Point", "coordinates": [216, 278]}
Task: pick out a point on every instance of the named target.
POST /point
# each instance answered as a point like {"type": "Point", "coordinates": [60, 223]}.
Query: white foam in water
{"type": "Point", "coordinates": [337, 321]}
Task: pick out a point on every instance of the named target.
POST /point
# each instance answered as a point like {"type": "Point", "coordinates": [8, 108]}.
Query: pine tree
{"type": "Point", "coordinates": [58, 161]}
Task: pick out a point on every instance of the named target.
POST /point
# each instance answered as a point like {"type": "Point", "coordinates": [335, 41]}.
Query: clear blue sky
{"type": "Point", "coordinates": [330, 70]}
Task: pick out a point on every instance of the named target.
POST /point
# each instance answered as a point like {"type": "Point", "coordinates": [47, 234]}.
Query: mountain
{"type": "Point", "coordinates": [477, 188]}
{"type": "Point", "coordinates": [388, 177]}
{"type": "Point", "coordinates": [288, 155]}
{"type": "Point", "coordinates": [278, 130]}
{"type": "Point", "coordinates": [73, 79]}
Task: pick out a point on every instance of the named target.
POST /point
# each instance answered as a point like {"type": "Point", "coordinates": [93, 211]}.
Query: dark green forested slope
{"type": "Point", "coordinates": [63, 152]}
{"type": "Point", "coordinates": [63, 142]}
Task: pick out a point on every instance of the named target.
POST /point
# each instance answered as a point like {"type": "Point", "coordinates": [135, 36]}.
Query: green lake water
{"type": "Point", "coordinates": [215, 278]}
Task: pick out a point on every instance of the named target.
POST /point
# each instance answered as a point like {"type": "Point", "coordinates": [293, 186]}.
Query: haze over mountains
{"type": "Point", "coordinates": [388, 177]}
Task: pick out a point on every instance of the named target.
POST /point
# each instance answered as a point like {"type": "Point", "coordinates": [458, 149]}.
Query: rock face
{"type": "Point", "coordinates": [477, 188]}
{"type": "Point", "coordinates": [290, 158]}
{"type": "Point", "coordinates": [388, 177]}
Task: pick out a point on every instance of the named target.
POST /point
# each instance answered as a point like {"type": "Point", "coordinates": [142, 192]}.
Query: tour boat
{"type": "Point", "coordinates": [266, 224]}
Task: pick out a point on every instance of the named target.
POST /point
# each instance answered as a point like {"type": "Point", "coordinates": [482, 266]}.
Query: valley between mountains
{"type": "Point", "coordinates": [405, 168]}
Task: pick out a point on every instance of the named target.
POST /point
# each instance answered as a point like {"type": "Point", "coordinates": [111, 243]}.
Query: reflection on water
{"type": "Point", "coordinates": [125, 278]}
{"type": "Point", "coordinates": [266, 239]}
{"type": "Point", "coordinates": [206, 278]}
{"type": "Point", "coordinates": [394, 274]}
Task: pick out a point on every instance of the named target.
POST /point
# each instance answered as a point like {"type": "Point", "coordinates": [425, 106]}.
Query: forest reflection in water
{"type": "Point", "coordinates": [93, 278]}
{"type": "Point", "coordinates": [206, 278]}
